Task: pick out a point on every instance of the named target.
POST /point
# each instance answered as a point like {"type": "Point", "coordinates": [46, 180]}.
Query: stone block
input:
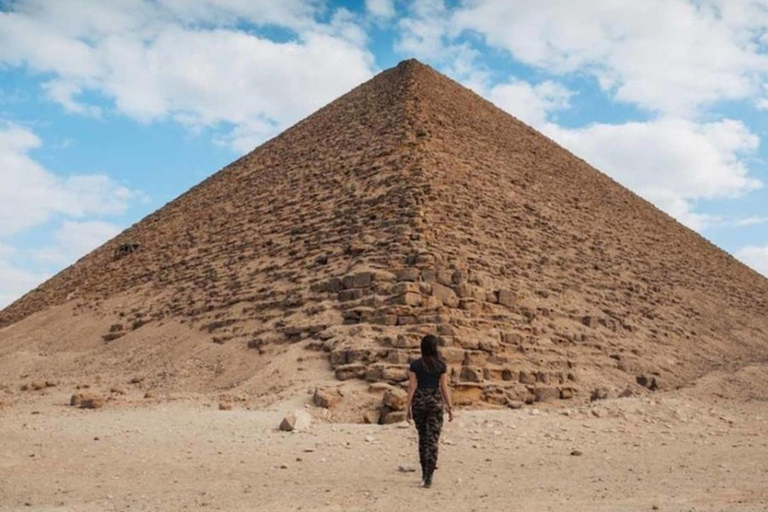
{"type": "Point", "coordinates": [507, 298]}
{"type": "Point", "coordinates": [446, 295]}
{"type": "Point", "coordinates": [350, 371]}
{"type": "Point", "coordinates": [471, 374]}
{"type": "Point", "coordinates": [409, 274]}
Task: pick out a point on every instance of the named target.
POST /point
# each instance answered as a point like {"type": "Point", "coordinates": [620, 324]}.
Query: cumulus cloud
{"type": "Point", "coordinates": [16, 281]}
{"type": "Point", "coordinates": [31, 195]}
{"type": "Point", "coordinates": [425, 33]}
{"type": "Point", "coordinates": [532, 104]}
{"type": "Point", "coordinates": [74, 239]}
{"type": "Point", "coordinates": [189, 61]}
{"type": "Point", "coordinates": [756, 257]}
{"type": "Point", "coordinates": [384, 9]}
{"type": "Point", "coordinates": [671, 162]}
{"type": "Point", "coordinates": [667, 56]}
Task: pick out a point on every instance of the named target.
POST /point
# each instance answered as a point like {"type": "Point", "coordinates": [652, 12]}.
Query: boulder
{"type": "Point", "coordinates": [393, 417]}
{"type": "Point", "coordinates": [325, 398]}
{"type": "Point", "coordinates": [395, 399]}
{"type": "Point", "coordinates": [296, 421]}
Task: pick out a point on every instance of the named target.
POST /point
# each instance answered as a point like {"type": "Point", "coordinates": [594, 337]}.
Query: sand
{"type": "Point", "coordinates": [687, 450]}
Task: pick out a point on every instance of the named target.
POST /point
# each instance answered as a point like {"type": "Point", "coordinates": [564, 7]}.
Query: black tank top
{"type": "Point", "coordinates": [427, 380]}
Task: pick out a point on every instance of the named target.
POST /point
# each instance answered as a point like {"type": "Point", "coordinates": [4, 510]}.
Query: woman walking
{"type": "Point", "coordinates": [427, 393]}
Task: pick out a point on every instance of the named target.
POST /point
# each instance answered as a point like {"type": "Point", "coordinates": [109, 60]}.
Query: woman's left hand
{"type": "Point", "coordinates": [408, 415]}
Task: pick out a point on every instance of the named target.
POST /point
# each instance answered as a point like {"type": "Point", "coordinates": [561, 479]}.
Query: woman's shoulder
{"type": "Point", "coordinates": [415, 365]}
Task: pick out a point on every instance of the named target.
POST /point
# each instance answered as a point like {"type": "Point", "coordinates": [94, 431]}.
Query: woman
{"type": "Point", "coordinates": [427, 391]}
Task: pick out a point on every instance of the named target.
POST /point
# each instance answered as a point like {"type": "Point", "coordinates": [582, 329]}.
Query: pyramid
{"type": "Point", "coordinates": [408, 206]}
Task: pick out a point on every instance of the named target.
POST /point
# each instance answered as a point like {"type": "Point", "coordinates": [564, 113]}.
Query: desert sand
{"type": "Point", "coordinates": [703, 448]}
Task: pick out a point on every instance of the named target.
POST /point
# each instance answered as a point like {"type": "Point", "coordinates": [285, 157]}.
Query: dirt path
{"type": "Point", "coordinates": [674, 453]}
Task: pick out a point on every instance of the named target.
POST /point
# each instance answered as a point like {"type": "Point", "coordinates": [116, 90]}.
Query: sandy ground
{"type": "Point", "coordinates": [680, 451]}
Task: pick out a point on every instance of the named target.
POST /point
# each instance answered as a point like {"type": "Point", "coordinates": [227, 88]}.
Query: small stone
{"type": "Point", "coordinates": [225, 406]}
{"type": "Point", "coordinates": [372, 417]}
{"type": "Point", "coordinates": [86, 401]}
{"type": "Point", "coordinates": [576, 453]}
{"type": "Point", "coordinates": [296, 421]}
{"type": "Point", "coordinates": [406, 469]}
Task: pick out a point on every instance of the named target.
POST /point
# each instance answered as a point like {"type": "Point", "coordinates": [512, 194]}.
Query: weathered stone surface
{"type": "Point", "coordinates": [326, 398]}
{"type": "Point", "coordinates": [353, 294]}
{"type": "Point", "coordinates": [471, 374]}
{"type": "Point", "coordinates": [393, 417]}
{"type": "Point", "coordinates": [358, 280]}
{"type": "Point", "coordinates": [350, 371]}
{"type": "Point", "coordinates": [648, 381]}
{"type": "Point", "coordinates": [395, 373]}
{"type": "Point", "coordinates": [372, 417]}
{"type": "Point", "coordinates": [395, 399]}
{"type": "Point", "coordinates": [507, 298]}
{"type": "Point", "coordinates": [446, 295]}
{"type": "Point", "coordinates": [296, 421]}
{"type": "Point", "coordinates": [409, 274]}
{"type": "Point", "coordinates": [408, 299]}
{"type": "Point", "coordinates": [545, 393]}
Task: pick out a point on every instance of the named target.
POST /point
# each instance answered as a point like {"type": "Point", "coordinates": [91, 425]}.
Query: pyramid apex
{"type": "Point", "coordinates": [411, 64]}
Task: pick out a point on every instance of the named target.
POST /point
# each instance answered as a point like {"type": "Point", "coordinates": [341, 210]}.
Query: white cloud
{"type": "Point", "coordinates": [755, 220]}
{"type": "Point", "coordinates": [189, 61]}
{"type": "Point", "coordinates": [16, 281]}
{"type": "Point", "coordinates": [530, 103]}
{"type": "Point", "coordinates": [73, 239]}
{"type": "Point", "coordinates": [384, 9]}
{"type": "Point", "coordinates": [425, 34]}
{"type": "Point", "coordinates": [30, 194]}
{"type": "Point", "coordinates": [755, 257]}
{"type": "Point", "coordinates": [669, 56]}
{"type": "Point", "coordinates": [671, 162]}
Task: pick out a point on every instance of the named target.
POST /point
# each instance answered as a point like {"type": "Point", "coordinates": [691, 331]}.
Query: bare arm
{"type": "Point", "coordinates": [446, 392]}
{"type": "Point", "coordinates": [411, 391]}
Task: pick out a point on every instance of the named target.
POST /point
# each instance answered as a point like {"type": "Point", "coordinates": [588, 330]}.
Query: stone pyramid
{"type": "Point", "coordinates": [409, 206]}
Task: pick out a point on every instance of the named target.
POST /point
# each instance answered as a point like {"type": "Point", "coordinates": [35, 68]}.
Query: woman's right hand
{"type": "Point", "coordinates": [450, 414]}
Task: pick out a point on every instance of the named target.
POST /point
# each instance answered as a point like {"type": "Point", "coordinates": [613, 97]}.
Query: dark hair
{"type": "Point", "coordinates": [430, 357]}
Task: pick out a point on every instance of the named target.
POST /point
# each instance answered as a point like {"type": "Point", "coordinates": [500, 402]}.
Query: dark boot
{"type": "Point", "coordinates": [428, 477]}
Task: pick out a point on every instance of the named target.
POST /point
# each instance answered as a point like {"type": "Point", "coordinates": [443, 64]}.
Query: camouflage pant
{"type": "Point", "coordinates": [428, 415]}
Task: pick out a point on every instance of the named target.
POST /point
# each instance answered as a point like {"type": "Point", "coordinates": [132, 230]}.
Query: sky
{"type": "Point", "coordinates": [108, 110]}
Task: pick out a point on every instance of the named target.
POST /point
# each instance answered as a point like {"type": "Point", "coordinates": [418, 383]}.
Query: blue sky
{"type": "Point", "coordinates": [108, 110]}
